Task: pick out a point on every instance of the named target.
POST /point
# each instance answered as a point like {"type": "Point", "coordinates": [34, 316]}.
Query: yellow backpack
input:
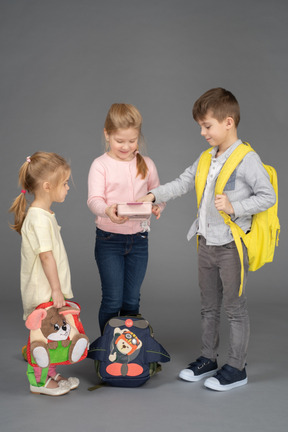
{"type": "Point", "coordinates": [264, 234]}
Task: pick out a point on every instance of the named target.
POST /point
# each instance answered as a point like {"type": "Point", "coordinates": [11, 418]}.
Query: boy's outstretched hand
{"type": "Point", "coordinates": [147, 198]}
{"type": "Point", "coordinates": [155, 208]}
{"type": "Point", "coordinates": [222, 203]}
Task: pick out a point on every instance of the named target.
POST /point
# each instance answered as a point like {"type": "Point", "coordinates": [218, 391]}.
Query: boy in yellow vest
{"type": "Point", "coordinates": [248, 191]}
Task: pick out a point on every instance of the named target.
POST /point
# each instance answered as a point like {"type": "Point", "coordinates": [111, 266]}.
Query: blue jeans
{"type": "Point", "coordinates": [122, 262]}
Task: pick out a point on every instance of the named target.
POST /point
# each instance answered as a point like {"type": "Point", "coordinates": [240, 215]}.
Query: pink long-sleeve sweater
{"type": "Point", "coordinates": [111, 181]}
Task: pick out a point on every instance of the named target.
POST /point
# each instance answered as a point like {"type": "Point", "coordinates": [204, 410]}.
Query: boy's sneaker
{"type": "Point", "coordinates": [201, 368]}
{"type": "Point", "coordinates": [227, 378]}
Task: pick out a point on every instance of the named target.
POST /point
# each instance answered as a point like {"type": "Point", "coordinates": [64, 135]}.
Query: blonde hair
{"type": "Point", "coordinates": [39, 167]}
{"type": "Point", "coordinates": [222, 103]}
{"type": "Point", "coordinates": [125, 116]}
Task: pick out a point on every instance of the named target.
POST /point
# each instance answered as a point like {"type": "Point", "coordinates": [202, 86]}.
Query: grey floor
{"type": "Point", "coordinates": [63, 63]}
{"type": "Point", "coordinates": [164, 403]}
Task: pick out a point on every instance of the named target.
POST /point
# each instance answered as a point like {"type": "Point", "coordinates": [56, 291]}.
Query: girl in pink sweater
{"type": "Point", "coordinates": [120, 175]}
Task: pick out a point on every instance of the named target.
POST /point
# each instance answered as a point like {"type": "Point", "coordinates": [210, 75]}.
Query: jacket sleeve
{"type": "Point", "coordinates": [180, 186]}
{"type": "Point", "coordinates": [262, 194]}
{"type": "Point", "coordinates": [154, 182]}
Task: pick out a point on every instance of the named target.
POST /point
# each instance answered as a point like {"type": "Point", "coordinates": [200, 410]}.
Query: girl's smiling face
{"type": "Point", "coordinates": [122, 143]}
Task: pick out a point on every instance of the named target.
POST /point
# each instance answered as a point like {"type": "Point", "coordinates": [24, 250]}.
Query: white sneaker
{"type": "Point", "coordinates": [201, 368]}
{"type": "Point", "coordinates": [227, 378]}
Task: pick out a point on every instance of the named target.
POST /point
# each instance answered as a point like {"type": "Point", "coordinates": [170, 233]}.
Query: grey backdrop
{"type": "Point", "coordinates": [63, 63]}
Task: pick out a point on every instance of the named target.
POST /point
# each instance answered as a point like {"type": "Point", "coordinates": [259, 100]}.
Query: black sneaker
{"type": "Point", "coordinates": [201, 368]}
{"type": "Point", "coordinates": [227, 378]}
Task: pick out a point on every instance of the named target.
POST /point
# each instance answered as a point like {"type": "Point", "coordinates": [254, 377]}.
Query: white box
{"type": "Point", "coordinates": [135, 210]}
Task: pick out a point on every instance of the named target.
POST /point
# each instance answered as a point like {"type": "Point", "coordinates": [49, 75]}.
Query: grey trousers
{"type": "Point", "coordinates": [219, 281]}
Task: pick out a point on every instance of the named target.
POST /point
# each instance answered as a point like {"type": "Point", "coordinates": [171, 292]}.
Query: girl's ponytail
{"type": "Point", "coordinates": [142, 168]}
{"type": "Point", "coordinates": [19, 208]}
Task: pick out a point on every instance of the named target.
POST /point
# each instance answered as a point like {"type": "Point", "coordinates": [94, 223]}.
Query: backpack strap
{"type": "Point", "coordinates": [230, 165]}
{"type": "Point", "coordinates": [202, 173]}
{"type": "Point", "coordinates": [201, 177]}
{"type": "Point", "coordinates": [228, 168]}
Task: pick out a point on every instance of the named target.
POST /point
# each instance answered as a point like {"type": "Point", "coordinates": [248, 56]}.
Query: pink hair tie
{"type": "Point", "coordinates": [137, 152]}
{"type": "Point", "coordinates": [23, 191]}
{"type": "Point", "coordinates": [28, 159]}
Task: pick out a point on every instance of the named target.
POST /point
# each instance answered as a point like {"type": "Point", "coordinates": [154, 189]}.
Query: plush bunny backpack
{"type": "Point", "coordinates": [56, 337]}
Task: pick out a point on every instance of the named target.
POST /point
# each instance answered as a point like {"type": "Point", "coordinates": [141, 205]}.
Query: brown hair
{"type": "Point", "coordinates": [222, 103]}
{"type": "Point", "coordinates": [124, 116]}
{"type": "Point", "coordinates": [39, 167]}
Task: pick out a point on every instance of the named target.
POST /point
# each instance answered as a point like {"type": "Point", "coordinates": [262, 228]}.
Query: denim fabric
{"type": "Point", "coordinates": [219, 280]}
{"type": "Point", "coordinates": [122, 262]}
{"type": "Point", "coordinates": [230, 185]}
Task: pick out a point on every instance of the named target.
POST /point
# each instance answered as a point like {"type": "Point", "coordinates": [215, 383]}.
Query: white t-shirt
{"type": "Point", "coordinates": [41, 233]}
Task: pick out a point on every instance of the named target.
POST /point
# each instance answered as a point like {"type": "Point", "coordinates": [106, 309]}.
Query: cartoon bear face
{"type": "Point", "coordinates": [54, 327]}
{"type": "Point", "coordinates": [127, 342]}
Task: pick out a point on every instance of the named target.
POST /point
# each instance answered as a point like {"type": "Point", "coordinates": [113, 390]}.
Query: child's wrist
{"type": "Point", "coordinates": [152, 196]}
{"type": "Point", "coordinates": [56, 289]}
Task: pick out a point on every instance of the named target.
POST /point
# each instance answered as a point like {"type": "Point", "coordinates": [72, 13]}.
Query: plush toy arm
{"type": "Point", "coordinates": [112, 357]}
{"type": "Point", "coordinates": [65, 343]}
{"type": "Point", "coordinates": [52, 345]}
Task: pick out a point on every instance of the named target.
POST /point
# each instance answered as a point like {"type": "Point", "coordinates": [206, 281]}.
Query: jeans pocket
{"type": "Point", "coordinates": [103, 235]}
{"type": "Point", "coordinates": [231, 245]}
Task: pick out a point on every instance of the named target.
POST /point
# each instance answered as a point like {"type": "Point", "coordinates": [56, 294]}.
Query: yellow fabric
{"type": "Point", "coordinates": [265, 228]}
{"type": "Point", "coordinates": [201, 174]}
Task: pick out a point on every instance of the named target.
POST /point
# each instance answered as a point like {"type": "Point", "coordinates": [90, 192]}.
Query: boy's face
{"type": "Point", "coordinates": [215, 132]}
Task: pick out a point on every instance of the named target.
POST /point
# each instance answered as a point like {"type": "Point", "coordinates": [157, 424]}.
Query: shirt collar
{"type": "Point", "coordinates": [227, 153]}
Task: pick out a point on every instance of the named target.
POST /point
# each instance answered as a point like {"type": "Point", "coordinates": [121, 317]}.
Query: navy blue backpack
{"type": "Point", "coordinates": [127, 355]}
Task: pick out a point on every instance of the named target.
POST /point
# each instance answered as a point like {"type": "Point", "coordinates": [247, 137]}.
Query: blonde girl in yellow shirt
{"type": "Point", "coordinates": [45, 271]}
